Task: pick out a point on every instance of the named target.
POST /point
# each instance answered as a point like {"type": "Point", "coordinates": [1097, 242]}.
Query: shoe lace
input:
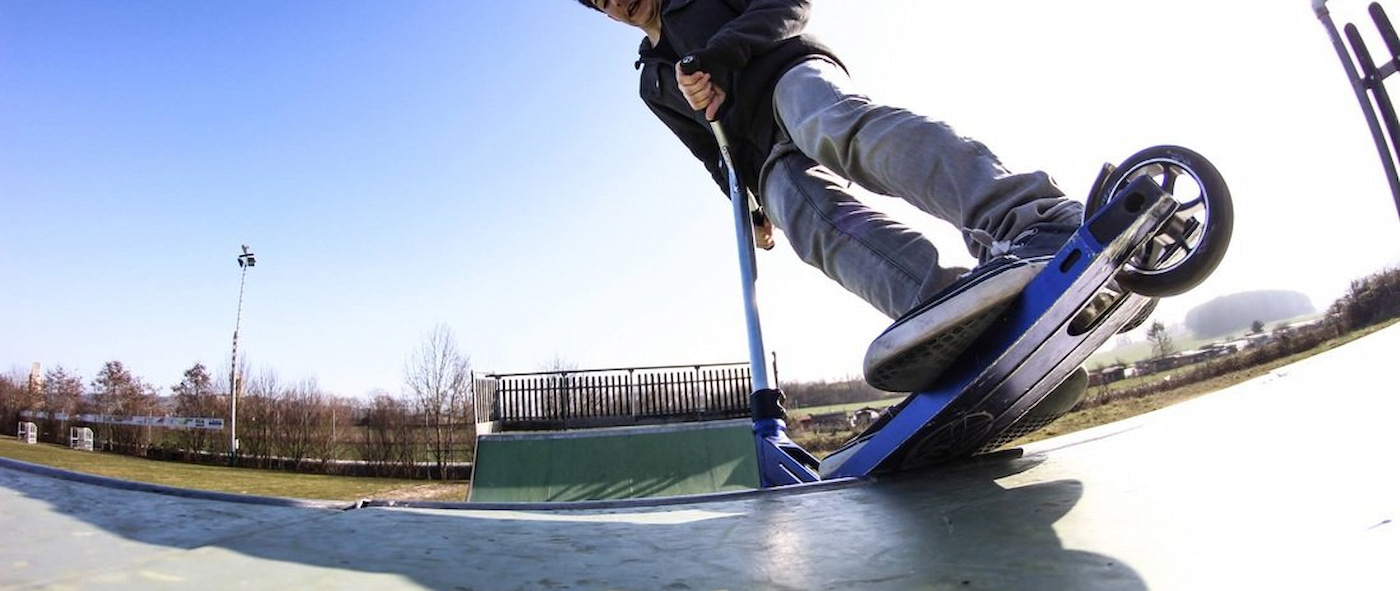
{"type": "Point", "coordinates": [993, 248]}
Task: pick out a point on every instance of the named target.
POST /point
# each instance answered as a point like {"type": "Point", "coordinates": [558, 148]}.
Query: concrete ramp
{"type": "Point", "coordinates": [615, 463]}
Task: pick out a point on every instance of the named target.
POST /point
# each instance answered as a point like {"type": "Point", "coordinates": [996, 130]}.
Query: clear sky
{"type": "Point", "coordinates": [488, 166]}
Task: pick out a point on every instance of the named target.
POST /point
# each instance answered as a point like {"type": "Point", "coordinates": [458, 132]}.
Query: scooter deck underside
{"type": "Point", "coordinates": [1066, 313]}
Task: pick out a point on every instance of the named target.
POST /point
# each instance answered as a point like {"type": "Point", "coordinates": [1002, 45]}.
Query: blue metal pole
{"type": "Point", "coordinates": [781, 461]}
{"type": "Point", "coordinates": [748, 264]}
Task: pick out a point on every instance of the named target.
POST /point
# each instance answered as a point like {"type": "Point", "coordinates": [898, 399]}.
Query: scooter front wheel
{"type": "Point", "coordinates": [1191, 244]}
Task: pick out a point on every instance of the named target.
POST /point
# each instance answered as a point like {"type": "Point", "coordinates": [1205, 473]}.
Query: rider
{"type": "Point", "coordinates": [801, 133]}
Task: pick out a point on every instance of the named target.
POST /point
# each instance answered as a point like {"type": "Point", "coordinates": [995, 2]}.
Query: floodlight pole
{"type": "Point", "coordinates": [245, 262]}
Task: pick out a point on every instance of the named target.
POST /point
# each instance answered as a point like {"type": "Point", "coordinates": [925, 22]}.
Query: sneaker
{"type": "Point", "coordinates": [914, 351]}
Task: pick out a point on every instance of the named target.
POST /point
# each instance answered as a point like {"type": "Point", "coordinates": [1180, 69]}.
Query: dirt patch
{"type": "Point", "coordinates": [434, 491]}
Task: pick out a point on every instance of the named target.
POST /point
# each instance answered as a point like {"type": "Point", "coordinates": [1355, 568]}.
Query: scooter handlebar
{"type": "Point", "coordinates": [690, 64]}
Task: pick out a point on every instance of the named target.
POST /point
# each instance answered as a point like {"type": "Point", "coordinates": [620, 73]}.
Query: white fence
{"type": "Point", "coordinates": [80, 438]}
{"type": "Point", "coordinates": [28, 432]}
{"type": "Point", "coordinates": [207, 423]}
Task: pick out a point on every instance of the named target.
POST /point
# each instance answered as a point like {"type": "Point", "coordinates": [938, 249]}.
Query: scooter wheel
{"type": "Point", "coordinates": [1192, 243]}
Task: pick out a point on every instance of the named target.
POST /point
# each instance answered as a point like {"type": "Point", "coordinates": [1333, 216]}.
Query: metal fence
{"type": "Point", "coordinates": [1367, 79]}
{"type": "Point", "coordinates": [611, 397]}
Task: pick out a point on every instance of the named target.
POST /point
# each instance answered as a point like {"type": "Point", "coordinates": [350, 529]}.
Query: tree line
{"type": "Point", "coordinates": [824, 393]}
{"type": "Point", "coordinates": [1369, 301]}
{"type": "Point", "coordinates": [427, 430]}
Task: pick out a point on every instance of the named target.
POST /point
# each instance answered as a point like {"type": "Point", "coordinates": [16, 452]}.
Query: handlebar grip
{"type": "Point", "coordinates": [690, 64]}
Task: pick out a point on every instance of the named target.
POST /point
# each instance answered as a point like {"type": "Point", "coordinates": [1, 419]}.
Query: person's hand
{"type": "Point", "coordinates": [763, 232]}
{"type": "Point", "coordinates": [700, 91]}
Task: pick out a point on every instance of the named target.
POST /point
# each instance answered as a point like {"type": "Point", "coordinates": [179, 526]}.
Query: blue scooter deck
{"type": "Point", "coordinates": [1066, 313]}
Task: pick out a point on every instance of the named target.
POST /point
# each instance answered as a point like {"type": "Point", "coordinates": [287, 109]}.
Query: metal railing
{"type": "Point", "coordinates": [611, 397]}
{"type": "Point", "coordinates": [1368, 82]}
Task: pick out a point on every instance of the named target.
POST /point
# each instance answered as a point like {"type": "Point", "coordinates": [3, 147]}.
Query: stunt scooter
{"type": "Point", "coordinates": [1155, 226]}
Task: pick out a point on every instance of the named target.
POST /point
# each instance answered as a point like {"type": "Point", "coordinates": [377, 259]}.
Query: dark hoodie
{"type": "Point", "coordinates": [745, 45]}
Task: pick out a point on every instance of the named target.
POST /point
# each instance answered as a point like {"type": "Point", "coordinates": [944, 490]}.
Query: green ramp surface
{"type": "Point", "coordinates": [615, 463]}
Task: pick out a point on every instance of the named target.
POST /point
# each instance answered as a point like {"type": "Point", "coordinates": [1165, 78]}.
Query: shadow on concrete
{"type": "Point", "coordinates": [953, 528]}
{"type": "Point", "coordinates": [960, 528]}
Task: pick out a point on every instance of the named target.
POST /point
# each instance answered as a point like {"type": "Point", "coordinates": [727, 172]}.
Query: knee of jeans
{"type": "Point", "coordinates": [785, 217]}
{"type": "Point", "coordinates": [781, 198]}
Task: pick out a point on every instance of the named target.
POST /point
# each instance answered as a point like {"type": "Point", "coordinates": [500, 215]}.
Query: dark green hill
{"type": "Point", "coordinates": [1236, 312]}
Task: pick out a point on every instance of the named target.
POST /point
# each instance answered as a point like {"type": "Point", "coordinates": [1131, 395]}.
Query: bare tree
{"type": "Point", "coordinates": [63, 394]}
{"type": "Point", "coordinates": [195, 397]}
{"type": "Point", "coordinates": [1369, 300]}
{"type": "Point", "coordinates": [437, 377]}
{"type": "Point", "coordinates": [1161, 340]}
{"type": "Point", "coordinates": [120, 395]}
{"type": "Point", "coordinates": [303, 428]}
{"type": "Point", "coordinates": [343, 411]}
{"type": "Point", "coordinates": [388, 443]}
{"type": "Point", "coordinates": [260, 419]}
{"type": "Point", "coordinates": [14, 399]}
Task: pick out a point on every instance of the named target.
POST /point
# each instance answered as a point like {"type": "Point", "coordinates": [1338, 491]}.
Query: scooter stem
{"type": "Point", "coordinates": [743, 231]}
{"type": "Point", "coordinates": [748, 263]}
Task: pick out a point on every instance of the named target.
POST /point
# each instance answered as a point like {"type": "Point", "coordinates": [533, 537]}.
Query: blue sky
{"type": "Point", "coordinates": [488, 167]}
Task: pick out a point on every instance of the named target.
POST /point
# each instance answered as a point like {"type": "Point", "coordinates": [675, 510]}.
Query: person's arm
{"type": "Point", "coordinates": [699, 140]}
{"type": "Point", "coordinates": [762, 25]}
{"type": "Point", "coordinates": [703, 146]}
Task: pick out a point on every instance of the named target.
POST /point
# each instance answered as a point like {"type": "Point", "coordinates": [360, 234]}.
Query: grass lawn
{"type": "Point", "coordinates": [234, 480]}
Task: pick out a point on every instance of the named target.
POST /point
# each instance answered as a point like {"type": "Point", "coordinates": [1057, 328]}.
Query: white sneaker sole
{"type": "Point", "coordinates": [911, 354]}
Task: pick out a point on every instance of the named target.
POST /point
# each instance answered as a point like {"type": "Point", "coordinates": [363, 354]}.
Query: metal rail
{"type": "Point", "coordinates": [612, 397]}
{"type": "Point", "coordinates": [1367, 80]}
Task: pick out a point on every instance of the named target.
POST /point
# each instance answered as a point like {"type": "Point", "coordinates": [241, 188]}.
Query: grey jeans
{"type": "Point", "coordinates": [836, 136]}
